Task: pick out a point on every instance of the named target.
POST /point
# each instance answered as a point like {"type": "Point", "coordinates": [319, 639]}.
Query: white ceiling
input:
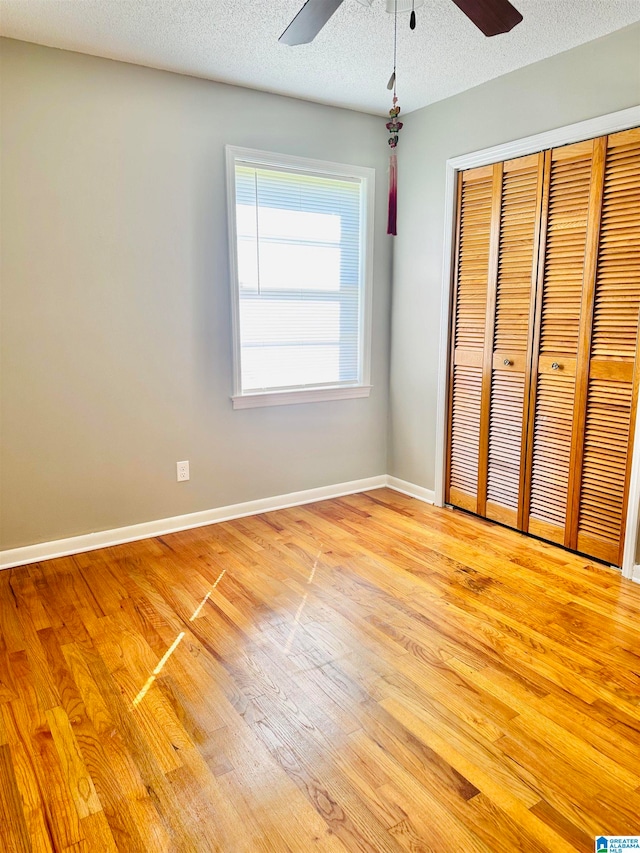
{"type": "Point", "coordinates": [348, 64]}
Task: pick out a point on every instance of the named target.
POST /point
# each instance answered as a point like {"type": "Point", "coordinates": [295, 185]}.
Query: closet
{"type": "Point", "coordinates": [543, 377]}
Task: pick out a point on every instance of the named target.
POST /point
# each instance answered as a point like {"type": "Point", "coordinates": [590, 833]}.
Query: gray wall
{"type": "Point", "coordinates": [116, 347]}
{"type": "Point", "coordinates": [591, 80]}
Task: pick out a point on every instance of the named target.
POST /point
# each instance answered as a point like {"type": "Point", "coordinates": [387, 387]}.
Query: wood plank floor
{"type": "Point", "coordinates": [363, 674]}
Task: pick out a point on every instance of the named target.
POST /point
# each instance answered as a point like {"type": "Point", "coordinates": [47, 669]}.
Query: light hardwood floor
{"type": "Point", "coordinates": [363, 674]}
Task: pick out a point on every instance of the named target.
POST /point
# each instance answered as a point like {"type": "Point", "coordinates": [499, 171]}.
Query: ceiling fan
{"type": "Point", "coordinates": [491, 16]}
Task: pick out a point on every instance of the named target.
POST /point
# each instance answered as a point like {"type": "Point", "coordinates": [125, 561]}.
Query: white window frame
{"type": "Point", "coordinates": [310, 394]}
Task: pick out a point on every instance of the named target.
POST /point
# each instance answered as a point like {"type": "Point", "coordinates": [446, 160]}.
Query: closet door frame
{"type": "Point", "coordinates": [600, 126]}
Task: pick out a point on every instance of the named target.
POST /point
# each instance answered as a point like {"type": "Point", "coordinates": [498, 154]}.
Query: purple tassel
{"type": "Point", "coordinates": [393, 195]}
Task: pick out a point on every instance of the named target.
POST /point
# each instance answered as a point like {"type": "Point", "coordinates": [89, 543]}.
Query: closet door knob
{"type": "Point", "coordinates": [506, 362]}
{"type": "Point", "coordinates": [555, 366]}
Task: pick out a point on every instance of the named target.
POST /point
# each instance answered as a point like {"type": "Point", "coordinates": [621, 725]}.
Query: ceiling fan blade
{"type": "Point", "coordinates": [491, 16]}
{"type": "Point", "coordinates": [309, 21]}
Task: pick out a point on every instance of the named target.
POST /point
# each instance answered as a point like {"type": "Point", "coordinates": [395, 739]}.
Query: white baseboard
{"type": "Point", "coordinates": [636, 574]}
{"type": "Point", "coordinates": [418, 492]}
{"type": "Point", "coordinates": [132, 533]}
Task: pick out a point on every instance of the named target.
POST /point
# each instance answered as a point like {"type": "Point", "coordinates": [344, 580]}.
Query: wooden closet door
{"type": "Point", "coordinates": [475, 191]}
{"type": "Point", "coordinates": [544, 375]}
{"type": "Point", "coordinates": [567, 200]}
{"type": "Point", "coordinates": [610, 374]}
{"type": "Point", "coordinates": [497, 245]}
{"type": "Point", "coordinates": [506, 406]}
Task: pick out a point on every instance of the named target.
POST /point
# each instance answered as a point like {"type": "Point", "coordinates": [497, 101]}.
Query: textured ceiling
{"type": "Point", "coordinates": [348, 64]}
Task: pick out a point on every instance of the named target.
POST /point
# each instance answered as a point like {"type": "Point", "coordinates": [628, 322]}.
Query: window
{"type": "Point", "coordinates": [300, 262]}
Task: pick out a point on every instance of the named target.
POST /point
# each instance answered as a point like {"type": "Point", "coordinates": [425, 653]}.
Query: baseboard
{"type": "Point", "coordinates": [418, 492]}
{"type": "Point", "coordinates": [636, 574]}
{"type": "Point", "coordinates": [134, 532]}
{"type": "Point", "coordinates": [148, 529]}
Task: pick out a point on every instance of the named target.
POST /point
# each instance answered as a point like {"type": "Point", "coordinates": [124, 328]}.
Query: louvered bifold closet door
{"type": "Point", "coordinates": [600, 500]}
{"type": "Point", "coordinates": [469, 313]}
{"type": "Point", "coordinates": [543, 376]}
{"type": "Point", "coordinates": [513, 337]}
{"type": "Point", "coordinates": [565, 217]}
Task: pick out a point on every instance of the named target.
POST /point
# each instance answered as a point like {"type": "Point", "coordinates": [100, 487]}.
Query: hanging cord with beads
{"type": "Point", "coordinates": [393, 126]}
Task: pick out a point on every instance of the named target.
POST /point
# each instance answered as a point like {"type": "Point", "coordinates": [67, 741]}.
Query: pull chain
{"type": "Point", "coordinates": [393, 126]}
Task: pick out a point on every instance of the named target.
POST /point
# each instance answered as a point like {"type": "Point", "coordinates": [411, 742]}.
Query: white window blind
{"type": "Point", "coordinates": [299, 240]}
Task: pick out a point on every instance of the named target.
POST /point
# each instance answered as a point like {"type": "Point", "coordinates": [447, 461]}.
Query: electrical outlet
{"type": "Point", "coordinates": [183, 471]}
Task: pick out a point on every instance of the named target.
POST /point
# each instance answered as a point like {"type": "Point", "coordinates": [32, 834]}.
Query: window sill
{"type": "Point", "coordinates": [304, 395]}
